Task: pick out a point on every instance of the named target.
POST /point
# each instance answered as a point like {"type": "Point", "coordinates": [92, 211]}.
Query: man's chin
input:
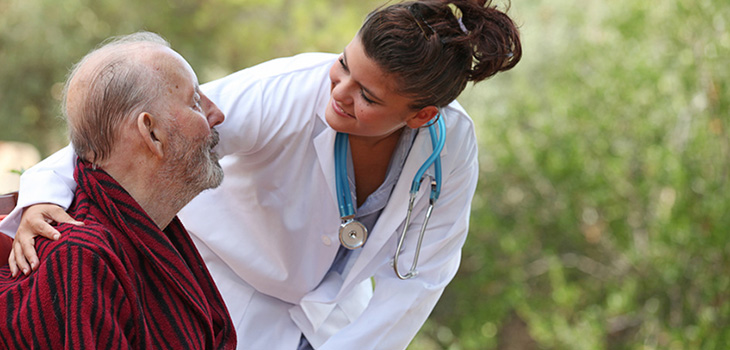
{"type": "Point", "coordinates": [216, 175]}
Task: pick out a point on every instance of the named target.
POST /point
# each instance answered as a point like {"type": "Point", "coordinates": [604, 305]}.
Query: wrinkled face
{"type": "Point", "coordinates": [194, 162]}
{"type": "Point", "coordinates": [192, 116]}
{"type": "Point", "coordinates": [363, 99]}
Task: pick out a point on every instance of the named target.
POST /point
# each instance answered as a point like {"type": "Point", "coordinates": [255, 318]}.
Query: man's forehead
{"type": "Point", "coordinates": [169, 68]}
{"type": "Point", "coordinates": [134, 51]}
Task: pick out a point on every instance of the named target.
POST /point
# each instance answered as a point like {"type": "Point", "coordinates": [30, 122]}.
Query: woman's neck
{"type": "Point", "coordinates": [370, 159]}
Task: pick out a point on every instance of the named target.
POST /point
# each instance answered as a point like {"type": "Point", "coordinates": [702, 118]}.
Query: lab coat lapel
{"type": "Point", "coordinates": [324, 145]}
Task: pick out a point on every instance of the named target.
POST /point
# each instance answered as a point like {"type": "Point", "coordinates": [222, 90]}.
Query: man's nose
{"type": "Point", "coordinates": [214, 115]}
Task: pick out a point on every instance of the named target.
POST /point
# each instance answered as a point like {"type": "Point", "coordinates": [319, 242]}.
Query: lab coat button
{"type": "Point", "coordinates": [326, 240]}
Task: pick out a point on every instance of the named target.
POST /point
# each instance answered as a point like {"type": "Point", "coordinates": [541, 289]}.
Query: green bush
{"type": "Point", "coordinates": [601, 215]}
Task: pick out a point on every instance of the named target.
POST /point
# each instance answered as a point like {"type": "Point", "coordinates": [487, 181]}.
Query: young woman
{"type": "Point", "coordinates": [271, 234]}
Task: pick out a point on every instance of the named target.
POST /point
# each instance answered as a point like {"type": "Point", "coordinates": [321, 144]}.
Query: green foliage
{"type": "Point", "coordinates": [41, 39]}
{"type": "Point", "coordinates": [600, 218]}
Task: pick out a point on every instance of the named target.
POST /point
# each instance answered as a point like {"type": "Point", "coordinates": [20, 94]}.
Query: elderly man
{"type": "Point", "coordinates": [130, 276]}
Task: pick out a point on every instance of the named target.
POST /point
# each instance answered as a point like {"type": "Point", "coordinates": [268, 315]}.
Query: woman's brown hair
{"type": "Point", "coordinates": [432, 53]}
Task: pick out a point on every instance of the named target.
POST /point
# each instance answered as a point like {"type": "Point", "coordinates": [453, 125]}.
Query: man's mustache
{"type": "Point", "coordinates": [213, 139]}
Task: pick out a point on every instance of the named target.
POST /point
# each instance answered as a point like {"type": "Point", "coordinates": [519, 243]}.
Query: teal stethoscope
{"type": "Point", "coordinates": [353, 234]}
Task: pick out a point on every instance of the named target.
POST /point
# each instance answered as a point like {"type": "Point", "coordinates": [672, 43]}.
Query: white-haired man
{"type": "Point", "coordinates": [130, 277]}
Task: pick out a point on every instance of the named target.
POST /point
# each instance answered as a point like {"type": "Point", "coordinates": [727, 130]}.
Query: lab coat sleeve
{"type": "Point", "coordinates": [259, 102]}
{"type": "Point", "coordinates": [399, 308]}
{"type": "Point", "coordinates": [50, 181]}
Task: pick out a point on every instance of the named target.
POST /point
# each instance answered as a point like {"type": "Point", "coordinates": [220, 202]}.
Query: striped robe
{"type": "Point", "coordinates": [116, 283]}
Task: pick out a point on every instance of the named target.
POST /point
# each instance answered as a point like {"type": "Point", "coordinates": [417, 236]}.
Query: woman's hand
{"type": "Point", "coordinates": [35, 221]}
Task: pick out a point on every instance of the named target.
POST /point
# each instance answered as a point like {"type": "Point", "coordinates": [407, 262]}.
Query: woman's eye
{"type": "Point", "coordinates": [366, 98]}
{"type": "Point", "coordinates": [342, 63]}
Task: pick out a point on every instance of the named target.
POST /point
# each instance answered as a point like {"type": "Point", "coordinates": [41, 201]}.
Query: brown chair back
{"type": "Point", "coordinates": [7, 203]}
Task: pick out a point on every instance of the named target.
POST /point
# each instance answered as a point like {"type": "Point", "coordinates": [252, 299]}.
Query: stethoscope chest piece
{"type": "Point", "coordinates": [353, 234]}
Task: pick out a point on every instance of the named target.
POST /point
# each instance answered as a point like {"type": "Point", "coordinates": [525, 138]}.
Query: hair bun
{"type": "Point", "coordinates": [493, 37]}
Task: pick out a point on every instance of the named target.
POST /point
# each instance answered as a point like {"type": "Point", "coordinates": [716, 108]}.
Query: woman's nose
{"type": "Point", "coordinates": [342, 91]}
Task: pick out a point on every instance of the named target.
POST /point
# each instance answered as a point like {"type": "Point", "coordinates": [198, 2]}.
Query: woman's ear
{"type": "Point", "coordinates": [422, 117]}
{"type": "Point", "coordinates": [151, 133]}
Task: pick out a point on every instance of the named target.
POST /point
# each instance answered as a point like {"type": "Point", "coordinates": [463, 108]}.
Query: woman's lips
{"type": "Point", "coordinates": [340, 111]}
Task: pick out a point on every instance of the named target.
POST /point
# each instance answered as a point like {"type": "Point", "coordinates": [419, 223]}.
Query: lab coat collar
{"type": "Point", "coordinates": [324, 145]}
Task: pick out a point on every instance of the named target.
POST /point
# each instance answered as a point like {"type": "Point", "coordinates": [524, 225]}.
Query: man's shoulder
{"type": "Point", "coordinates": [92, 237]}
{"type": "Point", "coordinates": [76, 246]}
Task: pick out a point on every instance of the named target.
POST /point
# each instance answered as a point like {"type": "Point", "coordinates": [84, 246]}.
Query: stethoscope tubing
{"type": "Point", "coordinates": [437, 141]}
{"type": "Point", "coordinates": [438, 144]}
{"type": "Point", "coordinates": [343, 189]}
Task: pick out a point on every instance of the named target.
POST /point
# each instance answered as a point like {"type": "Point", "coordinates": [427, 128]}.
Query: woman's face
{"type": "Point", "coordinates": [363, 100]}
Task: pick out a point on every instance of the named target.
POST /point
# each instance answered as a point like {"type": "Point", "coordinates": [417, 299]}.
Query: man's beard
{"type": "Point", "coordinates": [192, 165]}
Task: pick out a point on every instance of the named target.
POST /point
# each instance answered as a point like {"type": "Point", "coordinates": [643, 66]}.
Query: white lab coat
{"type": "Point", "coordinates": [269, 233]}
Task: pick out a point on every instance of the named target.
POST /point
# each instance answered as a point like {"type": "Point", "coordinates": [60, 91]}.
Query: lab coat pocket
{"type": "Point", "coordinates": [319, 316]}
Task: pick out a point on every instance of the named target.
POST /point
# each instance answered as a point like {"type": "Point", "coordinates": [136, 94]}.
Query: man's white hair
{"type": "Point", "coordinates": [120, 87]}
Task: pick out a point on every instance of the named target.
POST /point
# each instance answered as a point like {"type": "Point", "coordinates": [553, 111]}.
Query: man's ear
{"type": "Point", "coordinates": [422, 117]}
{"type": "Point", "coordinates": [150, 130]}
